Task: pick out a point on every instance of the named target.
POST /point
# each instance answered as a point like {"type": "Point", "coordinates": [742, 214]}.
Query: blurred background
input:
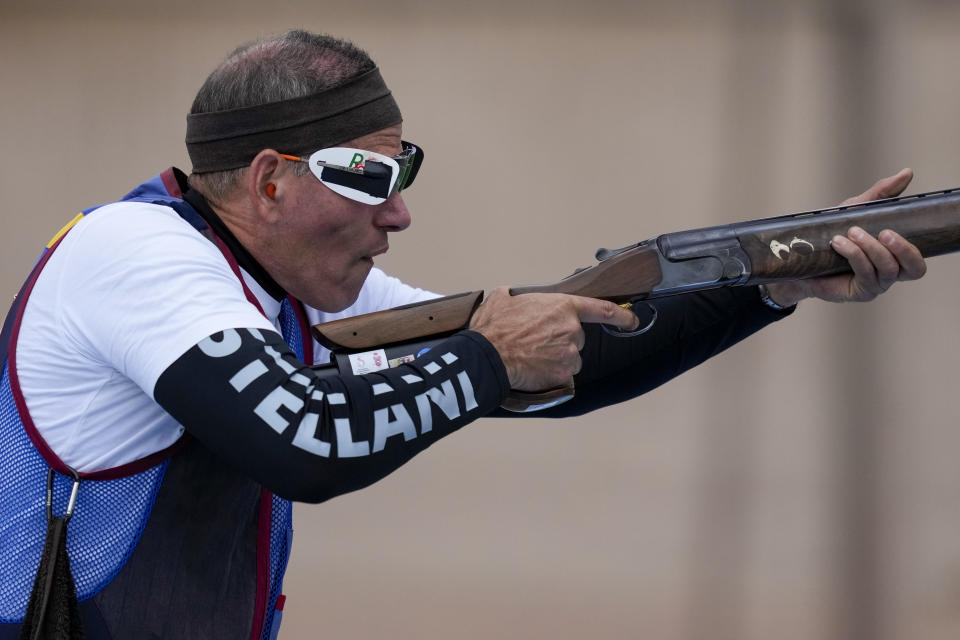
{"type": "Point", "coordinates": [802, 485]}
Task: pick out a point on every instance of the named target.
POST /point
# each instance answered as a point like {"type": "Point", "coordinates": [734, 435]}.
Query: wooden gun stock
{"type": "Point", "coordinates": [627, 274]}
{"type": "Point", "coordinates": [400, 324]}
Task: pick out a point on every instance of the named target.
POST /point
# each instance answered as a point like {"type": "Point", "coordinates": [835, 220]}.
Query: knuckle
{"type": "Point", "coordinates": [889, 263]}
{"type": "Point", "coordinates": [579, 339]}
{"type": "Point", "coordinates": [576, 365]}
{"type": "Point", "coordinates": [609, 312]}
{"type": "Point", "coordinates": [888, 273]}
{"type": "Point", "coordinates": [568, 328]}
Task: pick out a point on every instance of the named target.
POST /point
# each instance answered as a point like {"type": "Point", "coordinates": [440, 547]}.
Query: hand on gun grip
{"type": "Point", "coordinates": [538, 335]}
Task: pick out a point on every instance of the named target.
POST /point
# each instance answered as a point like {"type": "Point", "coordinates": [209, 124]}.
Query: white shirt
{"type": "Point", "coordinates": [129, 290]}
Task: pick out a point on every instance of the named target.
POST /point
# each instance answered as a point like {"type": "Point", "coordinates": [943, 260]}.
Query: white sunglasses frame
{"type": "Point", "coordinates": [317, 163]}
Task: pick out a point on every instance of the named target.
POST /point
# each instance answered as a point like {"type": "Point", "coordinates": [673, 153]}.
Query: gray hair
{"type": "Point", "coordinates": [292, 65]}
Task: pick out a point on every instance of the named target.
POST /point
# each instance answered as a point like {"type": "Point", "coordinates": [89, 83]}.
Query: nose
{"type": "Point", "coordinates": [392, 215]}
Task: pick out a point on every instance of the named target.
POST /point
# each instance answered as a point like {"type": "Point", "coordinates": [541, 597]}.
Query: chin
{"type": "Point", "coordinates": [337, 306]}
{"type": "Point", "coordinates": [335, 303]}
{"type": "Point", "coordinates": [332, 299]}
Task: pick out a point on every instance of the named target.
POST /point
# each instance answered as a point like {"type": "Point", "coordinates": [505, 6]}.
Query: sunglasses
{"type": "Point", "coordinates": [364, 176]}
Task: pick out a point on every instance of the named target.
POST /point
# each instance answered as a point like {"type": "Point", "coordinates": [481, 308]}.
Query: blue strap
{"type": "Point", "coordinates": [290, 327]}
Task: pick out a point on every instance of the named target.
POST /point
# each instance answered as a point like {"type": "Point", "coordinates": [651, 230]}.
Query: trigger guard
{"type": "Point", "coordinates": [616, 333]}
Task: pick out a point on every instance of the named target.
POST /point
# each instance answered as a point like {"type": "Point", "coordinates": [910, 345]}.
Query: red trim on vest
{"type": "Point", "coordinates": [38, 442]}
{"type": "Point", "coordinates": [263, 564]}
{"type": "Point", "coordinates": [264, 522]}
{"type": "Point", "coordinates": [137, 466]}
{"type": "Point", "coordinates": [51, 458]}
{"type": "Point", "coordinates": [170, 183]}
{"type": "Point", "coordinates": [281, 601]}
{"type": "Point", "coordinates": [252, 299]}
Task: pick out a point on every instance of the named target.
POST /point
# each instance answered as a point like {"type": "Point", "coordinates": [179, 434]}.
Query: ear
{"type": "Point", "coordinates": [265, 183]}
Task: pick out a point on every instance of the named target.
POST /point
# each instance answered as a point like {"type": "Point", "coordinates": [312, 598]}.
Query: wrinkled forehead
{"type": "Point", "coordinates": [386, 141]}
{"type": "Point", "coordinates": [360, 107]}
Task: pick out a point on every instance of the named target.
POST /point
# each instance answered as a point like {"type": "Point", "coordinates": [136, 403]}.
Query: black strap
{"type": "Point", "coordinates": [53, 613]}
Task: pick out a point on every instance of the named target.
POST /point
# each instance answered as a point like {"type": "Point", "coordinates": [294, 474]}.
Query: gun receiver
{"type": "Point", "coordinates": [789, 247]}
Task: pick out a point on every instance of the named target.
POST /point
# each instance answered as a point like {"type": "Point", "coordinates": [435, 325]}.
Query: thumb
{"type": "Point", "coordinates": [888, 187]}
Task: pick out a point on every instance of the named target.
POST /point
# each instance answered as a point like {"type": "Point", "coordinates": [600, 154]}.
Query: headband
{"type": "Point", "coordinates": [230, 139]}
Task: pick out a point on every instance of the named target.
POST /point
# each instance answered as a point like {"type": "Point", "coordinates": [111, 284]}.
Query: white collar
{"type": "Point", "coordinates": [269, 304]}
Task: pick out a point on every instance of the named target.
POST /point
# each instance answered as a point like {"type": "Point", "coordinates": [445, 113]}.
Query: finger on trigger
{"type": "Point", "coordinates": [605, 312]}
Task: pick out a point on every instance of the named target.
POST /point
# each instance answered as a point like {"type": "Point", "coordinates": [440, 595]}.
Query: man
{"type": "Point", "coordinates": [157, 355]}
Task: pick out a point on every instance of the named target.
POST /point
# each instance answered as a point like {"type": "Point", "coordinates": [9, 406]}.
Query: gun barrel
{"type": "Point", "coordinates": [798, 245]}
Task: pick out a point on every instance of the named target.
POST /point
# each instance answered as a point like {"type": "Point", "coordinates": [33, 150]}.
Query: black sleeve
{"type": "Point", "coordinates": [246, 396]}
{"type": "Point", "coordinates": [690, 329]}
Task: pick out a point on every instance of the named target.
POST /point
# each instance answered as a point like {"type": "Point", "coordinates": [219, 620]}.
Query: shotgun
{"type": "Point", "coordinates": [789, 247]}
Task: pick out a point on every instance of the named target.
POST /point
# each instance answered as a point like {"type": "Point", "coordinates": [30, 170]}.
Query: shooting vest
{"type": "Point", "coordinates": [175, 545]}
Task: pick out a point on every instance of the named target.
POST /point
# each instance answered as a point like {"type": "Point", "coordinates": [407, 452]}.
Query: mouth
{"type": "Point", "coordinates": [378, 252]}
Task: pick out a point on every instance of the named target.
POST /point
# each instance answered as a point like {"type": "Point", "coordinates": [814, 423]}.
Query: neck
{"type": "Point", "coordinates": [238, 232]}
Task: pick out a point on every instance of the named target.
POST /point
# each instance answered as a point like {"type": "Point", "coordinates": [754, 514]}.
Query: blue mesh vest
{"type": "Point", "coordinates": [176, 545]}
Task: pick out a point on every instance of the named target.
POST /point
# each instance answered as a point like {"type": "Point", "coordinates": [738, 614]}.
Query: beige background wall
{"type": "Point", "coordinates": [803, 485]}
